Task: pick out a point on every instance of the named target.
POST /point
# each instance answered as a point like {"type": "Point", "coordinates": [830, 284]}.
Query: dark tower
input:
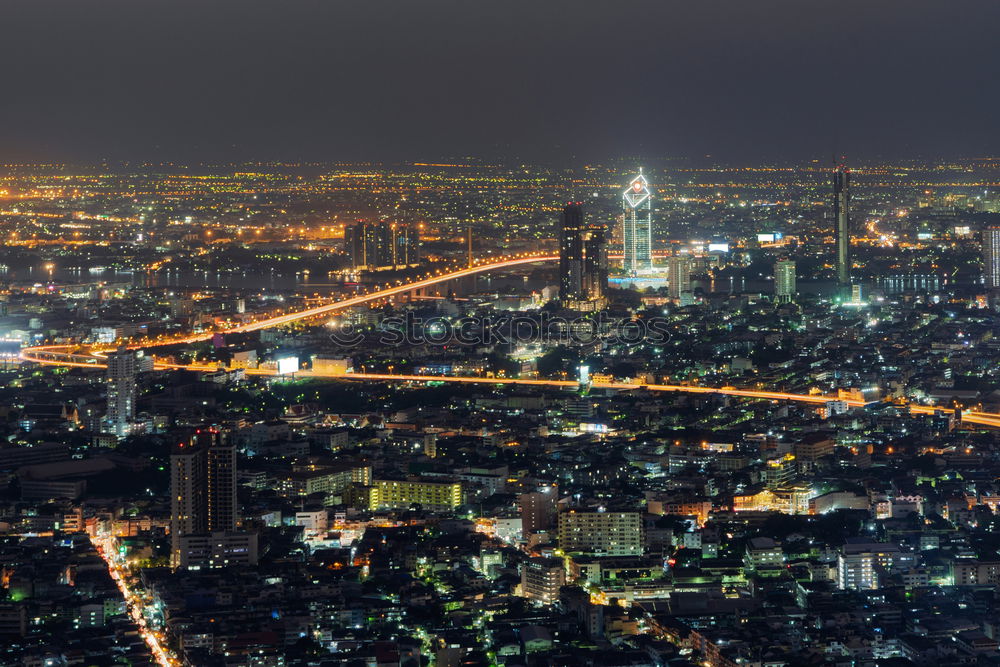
{"type": "Point", "coordinates": [583, 261]}
{"type": "Point", "coordinates": [202, 487]}
{"type": "Point", "coordinates": [842, 216]}
{"type": "Point", "coordinates": [595, 265]}
{"type": "Point", "coordinates": [571, 253]}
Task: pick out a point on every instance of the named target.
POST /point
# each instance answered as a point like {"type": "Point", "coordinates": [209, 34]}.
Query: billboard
{"type": "Point", "coordinates": [288, 365]}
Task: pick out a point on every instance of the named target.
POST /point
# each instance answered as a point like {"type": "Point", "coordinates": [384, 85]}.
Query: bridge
{"type": "Point", "coordinates": [75, 356]}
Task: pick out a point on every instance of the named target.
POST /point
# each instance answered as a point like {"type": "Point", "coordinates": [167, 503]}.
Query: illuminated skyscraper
{"type": "Point", "coordinates": [679, 277]}
{"type": "Point", "coordinates": [784, 280]}
{"type": "Point", "coordinates": [595, 265]}
{"type": "Point", "coordinates": [202, 490]}
{"type": "Point", "coordinates": [583, 267]}
{"type": "Point", "coordinates": [842, 216]}
{"type": "Point", "coordinates": [123, 369]}
{"type": "Point", "coordinates": [571, 252]}
{"type": "Point", "coordinates": [991, 257]}
{"type": "Point", "coordinates": [637, 232]}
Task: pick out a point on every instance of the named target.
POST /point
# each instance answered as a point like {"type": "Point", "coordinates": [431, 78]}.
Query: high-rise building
{"type": "Point", "coordinates": [679, 277]}
{"type": "Point", "coordinates": [221, 484]}
{"type": "Point", "coordinates": [123, 369]}
{"type": "Point", "coordinates": [842, 218]}
{"type": "Point", "coordinates": [595, 266]}
{"type": "Point", "coordinates": [601, 533]}
{"type": "Point", "coordinates": [784, 280]}
{"type": "Point", "coordinates": [571, 252]}
{"type": "Point", "coordinates": [382, 245]}
{"type": "Point", "coordinates": [202, 493]}
{"type": "Point", "coordinates": [538, 510]}
{"type": "Point", "coordinates": [991, 257]}
{"type": "Point", "coordinates": [583, 263]}
{"type": "Point", "coordinates": [637, 228]}
{"type": "Point", "coordinates": [863, 565]}
{"type": "Point", "coordinates": [542, 578]}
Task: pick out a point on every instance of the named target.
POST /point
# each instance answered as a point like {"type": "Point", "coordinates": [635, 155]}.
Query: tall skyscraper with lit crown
{"type": "Point", "coordinates": [637, 229]}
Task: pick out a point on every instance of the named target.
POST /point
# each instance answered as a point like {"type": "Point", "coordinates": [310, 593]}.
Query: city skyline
{"type": "Point", "coordinates": [440, 334]}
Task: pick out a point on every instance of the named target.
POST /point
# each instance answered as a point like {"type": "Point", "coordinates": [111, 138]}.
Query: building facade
{"type": "Point", "coordinates": [637, 229]}
{"type": "Point", "coordinates": [382, 245]}
{"type": "Point", "coordinates": [583, 260]}
{"type": "Point", "coordinates": [202, 492]}
{"type": "Point", "coordinates": [541, 579]}
{"type": "Point", "coordinates": [123, 370]}
{"type": "Point", "coordinates": [991, 257]}
{"type": "Point", "coordinates": [401, 494]}
{"type": "Point", "coordinates": [679, 277]}
{"type": "Point", "coordinates": [842, 219]}
{"type": "Point", "coordinates": [601, 533]}
{"type": "Point", "coordinates": [784, 280]}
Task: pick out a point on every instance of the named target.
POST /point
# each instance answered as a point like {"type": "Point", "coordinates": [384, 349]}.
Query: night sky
{"type": "Point", "coordinates": [740, 80]}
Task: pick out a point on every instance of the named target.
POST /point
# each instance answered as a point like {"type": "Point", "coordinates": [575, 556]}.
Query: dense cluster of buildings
{"type": "Point", "coordinates": [380, 246]}
{"type": "Point", "coordinates": [649, 498]}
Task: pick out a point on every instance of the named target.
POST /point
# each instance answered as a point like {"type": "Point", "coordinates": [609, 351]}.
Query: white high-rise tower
{"type": "Point", "coordinates": [991, 257]}
{"type": "Point", "coordinates": [123, 368]}
{"type": "Point", "coordinates": [784, 280]}
{"type": "Point", "coordinates": [637, 232]}
{"type": "Point", "coordinates": [679, 277]}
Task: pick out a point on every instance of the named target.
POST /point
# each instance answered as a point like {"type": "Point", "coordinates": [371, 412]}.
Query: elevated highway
{"type": "Point", "coordinates": [94, 358]}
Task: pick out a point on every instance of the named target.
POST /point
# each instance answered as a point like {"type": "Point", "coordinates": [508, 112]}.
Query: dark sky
{"type": "Point", "coordinates": [742, 80]}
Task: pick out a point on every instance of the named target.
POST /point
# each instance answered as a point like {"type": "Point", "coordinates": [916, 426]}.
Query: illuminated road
{"type": "Point", "coordinates": [60, 356]}
{"type": "Point", "coordinates": [133, 601]}
{"type": "Point", "coordinates": [78, 357]}
{"type": "Point", "coordinates": [377, 295]}
{"type": "Point", "coordinates": [973, 417]}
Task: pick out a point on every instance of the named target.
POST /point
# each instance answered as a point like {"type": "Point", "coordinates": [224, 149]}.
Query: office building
{"type": "Point", "coordinates": [382, 245]}
{"type": "Point", "coordinates": [813, 447]}
{"type": "Point", "coordinates": [601, 533]}
{"type": "Point", "coordinates": [538, 510]}
{"type": "Point", "coordinates": [571, 252]}
{"type": "Point", "coordinates": [403, 494]}
{"type": "Point", "coordinates": [784, 280]}
{"type": "Point", "coordinates": [861, 565]}
{"type": "Point", "coordinates": [842, 219]}
{"type": "Point", "coordinates": [637, 230]}
{"type": "Point", "coordinates": [542, 578]}
{"type": "Point", "coordinates": [583, 266]}
{"type": "Point", "coordinates": [679, 277]}
{"type": "Point", "coordinates": [595, 265]}
{"type": "Point", "coordinates": [202, 495]}
{"type": "Point", "coordinates": [123, 370]}
{"type": "Point", "coordinates": [991, 257]}
{"type": "Point", "coordinates": [763, 553]}
{"type": "Point", "coordinates": [219, 549]}
{"type": "Point", "coordinates": [220, 470]}
{"type": "Point", "coordinates": [975, 572]}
